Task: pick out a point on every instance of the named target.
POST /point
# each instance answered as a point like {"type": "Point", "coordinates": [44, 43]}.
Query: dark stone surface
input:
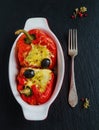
{"type": "Point", "coordinates": [13, 14]}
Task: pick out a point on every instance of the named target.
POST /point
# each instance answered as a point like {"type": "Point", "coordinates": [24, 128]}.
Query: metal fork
{"type": "Point", "coordinates": [72, 51]}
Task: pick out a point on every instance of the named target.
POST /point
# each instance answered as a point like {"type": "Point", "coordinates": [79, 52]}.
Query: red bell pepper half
{"type": "Point", "coordinates": [37, 89]}
{"type": "Point", "coordinates": [35, 37]}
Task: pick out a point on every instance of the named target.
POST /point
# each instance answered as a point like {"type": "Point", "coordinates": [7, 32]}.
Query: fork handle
{"type": "Point", "coordinates": [73, 97]}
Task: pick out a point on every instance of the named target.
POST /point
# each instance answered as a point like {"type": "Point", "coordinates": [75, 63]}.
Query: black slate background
{"type": "Point", "coordinates": [13, 14]}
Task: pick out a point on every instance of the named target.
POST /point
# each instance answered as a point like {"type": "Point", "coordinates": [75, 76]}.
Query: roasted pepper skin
{"type": "Point", "coordinates": [41, 38]}
{"type": "Point", "coordinates": [22, 50]}
{"type": "Point", "coordinates": [43, 97]}
{"type": "Point", "coordinates": [30, 100]}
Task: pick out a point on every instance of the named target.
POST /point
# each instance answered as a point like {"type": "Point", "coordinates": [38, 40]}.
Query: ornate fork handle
{"type": "Point", "coordinates": [73, 98]}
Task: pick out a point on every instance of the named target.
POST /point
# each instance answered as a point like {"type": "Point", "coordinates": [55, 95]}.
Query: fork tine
{"type": "Point", "coordinates": [70, 39]}
{"type": "Point", "coordinates": [76, 40]}
{"type": "Point", "coordinates": [73, 43]}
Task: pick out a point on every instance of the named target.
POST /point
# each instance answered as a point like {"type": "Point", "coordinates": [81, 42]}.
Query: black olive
{"type": "Point", "coordinates": [29, 73]}
{"type": "Point", "coordinates": [45, 63]}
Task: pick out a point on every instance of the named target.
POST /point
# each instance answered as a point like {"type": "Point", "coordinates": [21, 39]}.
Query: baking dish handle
{"type": "Point", "coordinates": [34, 23]}
{"type": "Point", "coordinates": [36, 113]}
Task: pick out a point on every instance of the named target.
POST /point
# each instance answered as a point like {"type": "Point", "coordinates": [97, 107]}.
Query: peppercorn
{"type": "Point", "coordinates": [85, 15]}
{"type": "Point", "coordinates": [81, 12]}
{"type": "Point", "coordinates": [73, 17]}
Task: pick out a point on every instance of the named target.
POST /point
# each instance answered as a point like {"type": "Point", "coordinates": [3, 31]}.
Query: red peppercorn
{"type": "Point", "coordinates": [73, 17]}
{"type": "Point", "coordinates": [85, 15]}
{"type": "Point", "coordinates": [82, 99]}
{"type": "Point", "coordinates": [80, 14]}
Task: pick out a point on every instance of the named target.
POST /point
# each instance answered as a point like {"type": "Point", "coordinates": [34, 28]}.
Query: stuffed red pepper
{"type": "Point", "coordinates": [35, 85]}
{"type": "Point", "coordinates": [36, 49]}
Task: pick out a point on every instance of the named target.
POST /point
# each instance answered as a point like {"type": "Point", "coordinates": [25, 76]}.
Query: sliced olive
{"type": "Point", "coordinates": [26, 91]}
{"type": "Point", "coordinates": [29, 73]}
{"type": "Point", "coordinates": [45, 63]}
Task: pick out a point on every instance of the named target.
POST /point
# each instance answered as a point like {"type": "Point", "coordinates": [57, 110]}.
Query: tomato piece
{"type": "Point", "coordinates": [21, 80]}
{"type": "Point", "coordinates": [20, 87]}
